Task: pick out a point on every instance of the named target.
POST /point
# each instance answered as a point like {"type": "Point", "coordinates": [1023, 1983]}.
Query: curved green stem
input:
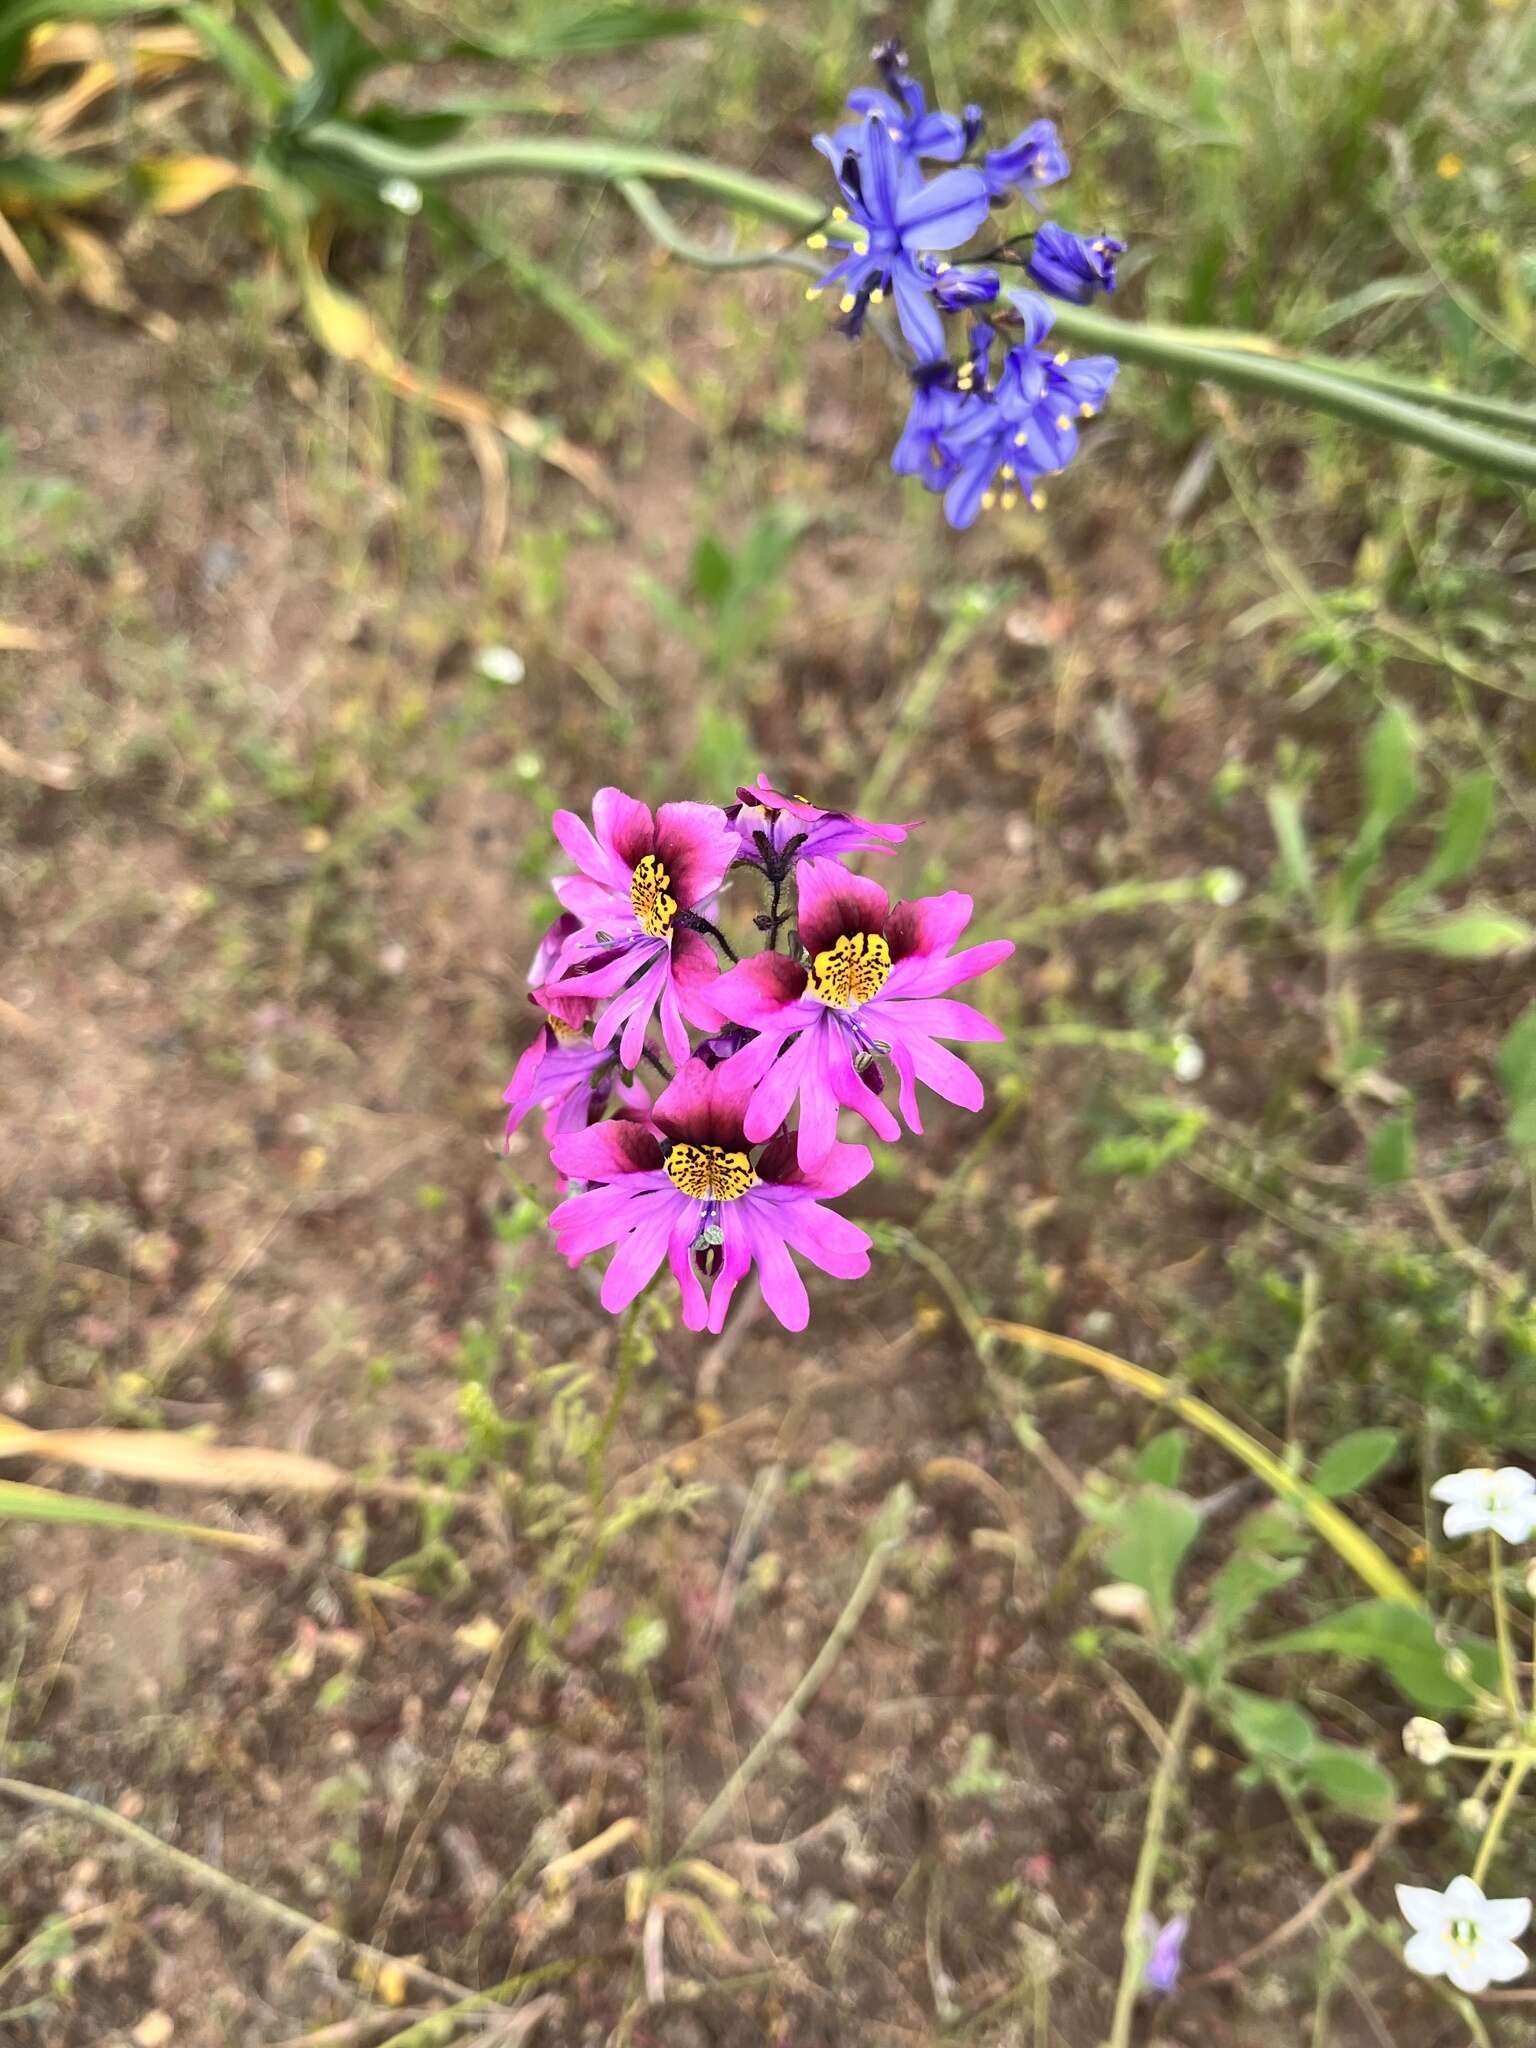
{"type": "Point", "coordinates": [1501, 1813]}
{"type": "Point", "coordinates": [1353, 396]}
{"type": "Point", "coordinates": [1136, 1946]}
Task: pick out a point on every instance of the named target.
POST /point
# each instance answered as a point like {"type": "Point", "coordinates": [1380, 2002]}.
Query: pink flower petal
{"type": "Point", "coordinates": [593, 858]}
{"type": "Point", "coordinates": [832, 902]}
{"type": "Point", "coordinates": [928, 924]}
{"type": "Point", "coordinates": [680, 1258]}
{"type": "Point", "coordinates": [624, 827]}
{"type": "Point", "coordinates": [760, 991]}
{"type": "Point", "coordinates": [695, 844]}
{"type": "Point", "coordinates": [608, 1151]}
{"type": "Point", "coordinates": [930, 974]}
{"type": "Point", "coordinates": [642, 1251]}
{"type": "Point", "coordinates": [704, 1104]}
{"type": "Point", "coordinates": [933, 1016]}
{"type": "Point", "coordinates": [783, 1289]}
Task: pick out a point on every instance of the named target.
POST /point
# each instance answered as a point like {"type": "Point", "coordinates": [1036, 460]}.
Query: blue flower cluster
{"type": "Point", "coordinates": [981, 435]}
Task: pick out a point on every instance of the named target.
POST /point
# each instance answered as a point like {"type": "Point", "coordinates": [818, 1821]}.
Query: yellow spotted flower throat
{"type": "Point", "coordinates": [709, 1173]}
{"type": "Point", "coordinates": [851, 971]}
{"type": "Point", "coordinates": [648, 893]}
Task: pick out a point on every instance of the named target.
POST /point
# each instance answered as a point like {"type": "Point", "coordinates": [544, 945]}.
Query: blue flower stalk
{"type": "Point", "coordinates": [979, 438]}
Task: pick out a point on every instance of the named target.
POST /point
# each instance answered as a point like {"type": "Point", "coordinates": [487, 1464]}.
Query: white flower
{"type": "Point", "coordinates": [403, 194]}
{"type": "Point", "coordinates": [1503, 1501]}
{"type": "Point", "coordinates": [1426, 1741]}
{"type": "Point", "coordinates": [1461, 1935]}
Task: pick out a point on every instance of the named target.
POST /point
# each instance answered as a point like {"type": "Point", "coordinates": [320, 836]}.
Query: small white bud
{"type": "Point", "coordinates": [1188, 1060]}
{"type": "Point", "coordinates": [1426, 1741]}
{"type": "Point", "coordinates": [1225, 887]}
{"type": "Point", "coordinates": [501, 665]}
{"type": "Point", "coordinates": [1473, 1815]}
{"type": "Point", "coordinates": [403, 194]}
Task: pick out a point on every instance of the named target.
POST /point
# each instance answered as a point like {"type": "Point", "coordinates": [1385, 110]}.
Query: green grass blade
{"type": "Point", "coordinates": [22, 1503]}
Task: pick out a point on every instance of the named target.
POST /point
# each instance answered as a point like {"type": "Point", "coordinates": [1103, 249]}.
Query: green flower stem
{"type": "Point", "coordinates": [1509, 1683]}
{"type": "Point", "coordinates": [1353, 395]}
{"type": "Point", "coordinates": [1501, 1813]}
{"type": "Point", "coordinates": [1136, 1946]}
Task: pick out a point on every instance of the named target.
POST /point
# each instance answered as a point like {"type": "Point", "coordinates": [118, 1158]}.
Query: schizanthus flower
{"type": "Point", "coordinates": [691, 1187]}
{"type": "Point", "coordinates": [1502, 1502]}
{"type": "Point", "coordinates": [776, 830]}
{"type": "Point", "coordinates": [872, 987]}
{"type": "Point", "coordinates": [1460, 1935]}
{"type": "Point", "coordinates": [715, 1177]}
{"type": "Point", "coordinates": [893, 235]}
{"type": "Point", "coordinates": [636, 947]}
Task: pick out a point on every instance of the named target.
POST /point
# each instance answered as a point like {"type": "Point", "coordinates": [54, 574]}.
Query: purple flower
{"type": "Point", "coordinates": [1033, 159]}
{"type": "Point", "coordinates": [892, 216]}
{"type": "Point", "coordinates": [873, 988]}
{"type": "Point", "coordinates": [562, 1072]}
{"type": "Point", "coordinates": [903, 107]}
{"type": "Point", "coordinates": [1073, 266]}
{"type": "Point", "coordinates": [641, 880]}
{"type": "Point", "coordinates": [776, 829]}
{"type": "Point", "coordinates": [686, 1188]}
{"type": "Point", "coordinates": [1160, 1972]}
{"type": "Point", "coordinates": [1028, 428]}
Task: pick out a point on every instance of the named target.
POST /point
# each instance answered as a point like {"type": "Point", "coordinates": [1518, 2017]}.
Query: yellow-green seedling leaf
{"type": "Point", "coordinates": [1481, 932]}
{"type": "Point", "coordinates": [1402, 1643]}
{"type": "Point", "coordinates": [1389, 1155]}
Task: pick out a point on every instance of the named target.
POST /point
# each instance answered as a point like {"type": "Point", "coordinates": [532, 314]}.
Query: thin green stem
{"type": "Point", "coordinates": [1501, 1813]}
{"type": "Point", "coordinates": [1136, 1945]}
{"type": "Point", "coordinates": [1350, 397]}
{"type": "Point", "coordinates": [1509, 1683]}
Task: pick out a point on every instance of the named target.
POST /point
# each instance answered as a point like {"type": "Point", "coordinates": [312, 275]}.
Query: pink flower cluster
{"type": "Point", "coordinates": [711, 1175]}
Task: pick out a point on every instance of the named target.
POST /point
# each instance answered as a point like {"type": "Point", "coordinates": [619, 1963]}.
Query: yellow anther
{"type": "Point", "coordinates": [1063, 420]}
{"type": "Point", "coordinates": [846, 303]}
{"type": "Point", "coordinates": [815, 241]}
{"type": "Point", "coordinates": [1020, 438]}
{"type": "Point", "coordinates": [988, 500]}
{"type": "Point", "coordinates": [1085, 412]}
{"type": "Point", "coordinates": [877, 297]}
{"type": "Point", "coordinates": [861, 248]}
{"type": "Point", "coordinates": [1010, 499]}
{"type": "Point", "coordinates": [940, 268]}
{"type": "Point", "coordinates": [1006, 472]}
{"type": "Point", "coordinates": [1065, 356]}
{"type": "Point", "coordinates": [813, 291]}
{"type": "Point", "coordinates": [1037, 499]}
{"type": "Point", "coordinates": [839, 213]}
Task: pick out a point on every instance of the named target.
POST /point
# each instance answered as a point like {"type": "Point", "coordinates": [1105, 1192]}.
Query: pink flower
{"type": "Point", "coordinates": [775, 829]}
{"type": "Point", "coordinates": [873, 988]}
{"type": "Point", "coordinates": [642, 881]}
{"type": "Point", "coordinates": [562, 1072]}
{"type": "Point", "coordinates": [685, 1188]}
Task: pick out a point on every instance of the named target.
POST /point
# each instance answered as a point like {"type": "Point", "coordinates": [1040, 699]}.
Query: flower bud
{"type": "Point", "coordinates": [1458, 1666]}
{"type": "Point", "coordinates": [1473, 1815]}
{"type": "Point", "coordinates": [1426, 1741]}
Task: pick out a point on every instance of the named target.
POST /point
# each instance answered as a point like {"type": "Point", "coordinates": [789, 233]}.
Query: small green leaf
{"type": "Point", "coordinates": [1389, 774]}
{"type": "Point", "coordinates": [1291, 841]}
{"type": "Point", "coordinates": [1401, 1640]}
{"type": "Point", "coordinates": [1276, 1731]}
{"type": "Point", "coordinates": [1248, 1577]}
{"type": "Point", "coordinates": [1389, 1156]}
{"type": "Point", "coordinates": [1350, 1780]}
{"type": "Point", "coordinates": [1353, 1461]}
{"type": "Point", "coordinates": [713, 571]}
{"type": "Point", "coordinates": [1463, 829]}
{"type": "Point", "coordinates": [1160, 1461]}
{"type": "Point", "coordinates": [1517, 1060]}
{"type": "Point", "coordinates": [1480, 932]}
{"type": "Point", "coordinates": [1156, 1528]}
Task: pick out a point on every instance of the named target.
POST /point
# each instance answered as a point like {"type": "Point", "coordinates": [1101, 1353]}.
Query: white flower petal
{"type": "Point", "coordinates": [1515, 1482]}
{"type": "Point", "coordinates": [1501, 1959]}
{"type": "Point", "coordinates": [1468, 1968]}
{"type": "Point", "coordinates": [1505, 1919]}
{"type": "Point", "coordinates": [1423, 1908]}
{"type": "Point", "coordinates": [1460, 1486]}
{"type": "Point", "coordinates": [1429, 1953]}
{"type": "Point", "coordinates": [1465, 1518]}
{"type": "Point", "coordinates": [1464, 1900]}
